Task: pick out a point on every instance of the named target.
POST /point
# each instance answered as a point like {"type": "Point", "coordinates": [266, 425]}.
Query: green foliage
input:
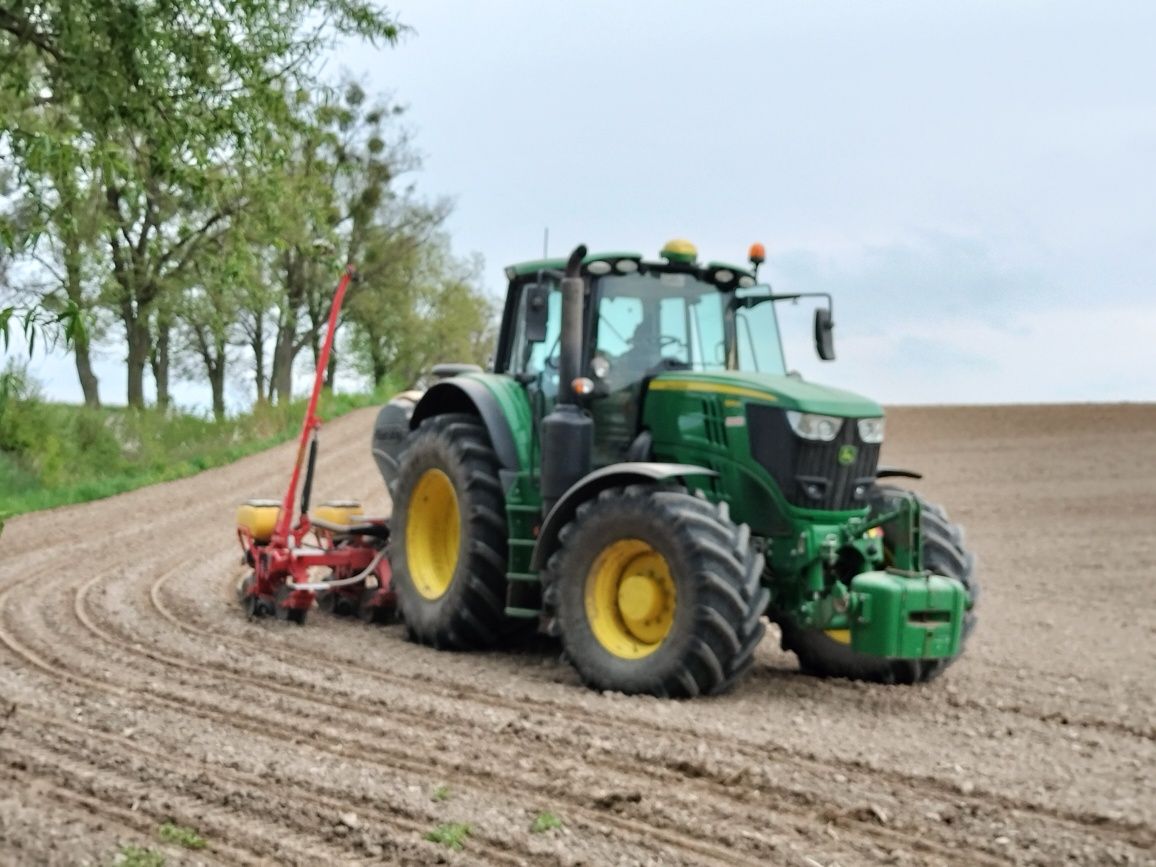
{"type": "Point", "coordinates": [54, 454]}
{"type": "Point", "coordinates": [441, 793]}
{"type": "Point", "coordinates": [129, 855]}
{"type": "Point", "coordinates": [48, 325]}
{"type": "Point", "coordinates": [544, 822]}
{"type": "Point", "coordinates": [182, 836]}
{"type": "Point", "coordinates": [419, 304]}
{"type": "Point", "coordinates": [452, 835]}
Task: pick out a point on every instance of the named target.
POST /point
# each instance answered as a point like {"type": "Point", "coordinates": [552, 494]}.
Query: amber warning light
{"type": "Point", "coordinates": [757, 254]}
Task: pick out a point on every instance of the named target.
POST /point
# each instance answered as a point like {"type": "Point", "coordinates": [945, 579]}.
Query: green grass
{"type": "Point", "coordinates": [56, 454]}
{"type": "Point", "coordinates": [452, 835]}
{"type": "Point", "coordinates": [137, 856]}
{"type": "Point", "coordinates": [180, 835]}
{"type": "Point", "coordinates": [544, 822]}
{"type": "Point", "coordinates": [441, 793]}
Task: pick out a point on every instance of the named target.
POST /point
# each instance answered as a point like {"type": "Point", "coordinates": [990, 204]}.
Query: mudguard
{"type": "Point", "coordinates": [469, 395]}
{"type": "Point", "coordinates": [612, 476]}
{"type": "Point", "coordinates": [389, 433]}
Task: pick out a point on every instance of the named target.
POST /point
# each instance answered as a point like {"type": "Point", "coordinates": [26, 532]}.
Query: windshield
{"type": "Point", "coordinates": [757, 333]}
{"type": "Point", "coordinates": [655, 321]}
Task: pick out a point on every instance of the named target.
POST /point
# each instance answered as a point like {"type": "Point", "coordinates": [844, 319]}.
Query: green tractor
{"type": "Point", "coordinates": [640, 476]}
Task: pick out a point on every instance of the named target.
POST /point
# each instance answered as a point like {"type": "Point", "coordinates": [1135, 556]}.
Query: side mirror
{"type": "Point", "coordinates": [824, 334]}
{"type": "Point", "coordinates": [537, 313]}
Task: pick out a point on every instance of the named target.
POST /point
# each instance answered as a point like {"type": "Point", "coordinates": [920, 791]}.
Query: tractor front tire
{"type": "Point", "coordinates": [656, 591]}
{"type": "Point", "coordinates": [944, 554]}
{"type": "Point", "coordinates": [449, 536]}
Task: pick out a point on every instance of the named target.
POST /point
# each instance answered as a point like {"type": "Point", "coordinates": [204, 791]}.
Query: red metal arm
{"type": "Point", "coordinates": [311, 422]}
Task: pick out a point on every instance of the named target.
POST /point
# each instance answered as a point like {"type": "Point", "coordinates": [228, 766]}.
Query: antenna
{"type": "Point", "coordinates": [546, 243]}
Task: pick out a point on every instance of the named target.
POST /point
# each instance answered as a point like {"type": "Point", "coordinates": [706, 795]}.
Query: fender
{"type": "Point", "coordinates": [469, 395]}
{"type": "Point", "coordinates": [591, 485]}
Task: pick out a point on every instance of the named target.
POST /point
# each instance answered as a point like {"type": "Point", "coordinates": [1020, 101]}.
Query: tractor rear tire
{"type": "Point", "coordinates": [656, 591]}
{"type": "Point", "coordinates": [449, 536]}
{"type": "Point", "coordinates": [944, 554]}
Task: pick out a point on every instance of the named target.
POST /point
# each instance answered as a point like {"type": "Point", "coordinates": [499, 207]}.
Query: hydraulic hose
{"type": "Point", "coordinates": [321, 586]}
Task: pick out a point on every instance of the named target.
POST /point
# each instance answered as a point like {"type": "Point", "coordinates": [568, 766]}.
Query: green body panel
{"type": "Point", "coordinates": [906, 617]}
{"type": "Point", "coordinates": [700, 418]}
{"type": "Point", "coordinates": [783, 391]}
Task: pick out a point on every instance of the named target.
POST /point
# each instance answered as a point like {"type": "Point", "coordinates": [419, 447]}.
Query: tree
{"type": "Point", "coordinates": [335, 187]}
{"type": "Point", "coordinates": [153, 104]}
{"type": "Point", "coordinates": [417, 305]}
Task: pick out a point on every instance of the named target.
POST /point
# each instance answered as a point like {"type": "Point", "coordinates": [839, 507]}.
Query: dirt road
{"type": "Point", "coordinates": [134, 692]}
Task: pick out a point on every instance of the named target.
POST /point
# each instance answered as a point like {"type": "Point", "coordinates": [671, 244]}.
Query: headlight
{"type": "Point", "coordinates": [871, 430]}
{"type": "Point", "coordinates": [823, 428]}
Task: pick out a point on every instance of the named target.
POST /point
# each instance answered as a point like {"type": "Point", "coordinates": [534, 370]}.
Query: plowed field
{"type": "Point", "coordinates": [134, 692]}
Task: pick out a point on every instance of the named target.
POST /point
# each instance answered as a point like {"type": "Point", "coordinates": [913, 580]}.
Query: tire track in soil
{"type": "Point", "coordinates": [668, 773]}
{"type": "Point", "coordinates": [920, 787]}
{"type": "Point", "coordinates": [257, 727]}
{"type": "Point", "coordinates": [15, 771]}
{"type": "Point", "coordinates": [254, 725]}
{"type": "Point", "coordinates": [327, 805]}
{"type": "Point", "coordinates": [701, 779]}
{"type": "Point", "coordinates": [71, 772]}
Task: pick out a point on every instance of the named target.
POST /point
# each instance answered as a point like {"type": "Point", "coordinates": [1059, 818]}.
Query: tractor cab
{"type": "Point", "coordinates": [644, 319]}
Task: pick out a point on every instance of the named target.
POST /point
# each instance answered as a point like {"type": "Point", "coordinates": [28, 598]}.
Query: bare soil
{"type": "Point", "coordinates": [134, 692]}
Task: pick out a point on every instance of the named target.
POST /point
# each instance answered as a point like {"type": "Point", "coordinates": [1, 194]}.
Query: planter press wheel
{"type": "Point", "coordinates": [255, 607]}
{"type": "Point", "coordinates": [292, 615]}
{"type": "Point", "coordinates": [377, 614]}
{"type": "Point", "coordinates": [340, 604]}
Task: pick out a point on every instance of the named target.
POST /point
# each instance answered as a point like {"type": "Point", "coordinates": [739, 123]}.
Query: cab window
{"type": "Point", "coordinates": [538, 358]}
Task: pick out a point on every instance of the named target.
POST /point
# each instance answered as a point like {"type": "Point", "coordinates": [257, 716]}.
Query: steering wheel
{"type": "Point", "coordinates": [552, 360]}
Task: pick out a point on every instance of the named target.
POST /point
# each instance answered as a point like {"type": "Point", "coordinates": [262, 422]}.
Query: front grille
{"type": "Point", "coordinates": [809, 473]}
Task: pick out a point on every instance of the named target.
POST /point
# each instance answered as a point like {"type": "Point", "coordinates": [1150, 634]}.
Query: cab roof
{"type": "Point", "coordinates": [533, 266]}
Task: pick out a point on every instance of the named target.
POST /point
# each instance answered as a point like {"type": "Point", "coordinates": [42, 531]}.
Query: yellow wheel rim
{"type": "Point", "coordinates": [432, 534]}
{"type": "Point", "coordinates": [630, 598]}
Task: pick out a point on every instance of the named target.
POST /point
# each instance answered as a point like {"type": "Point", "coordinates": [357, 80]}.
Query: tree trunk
{"type": "Point", "coordinates": [257, 344]}
{"type": "Point", "coordinates": [137, 340]}
{"type": "Point", "coordinates": [283, 354]}
{"type": "Point", "coordinates": [89, 384]}
{"type": "Point", "coordinates": [217, 384]}
{"type": "Point", "coordinates": [331, 368]}
{"type": "Point", "coordinates": [286, 347]}
{"type": "Point", "coordinates": [159, 359]}
{"type": "Point", "coordinates": [376, 360]}
{"type": "Point", "coordinates": [74, 288]}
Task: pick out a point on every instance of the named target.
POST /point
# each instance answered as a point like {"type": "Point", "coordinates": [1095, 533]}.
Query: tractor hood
{"type": "Point", "coordinates": [786, 392]}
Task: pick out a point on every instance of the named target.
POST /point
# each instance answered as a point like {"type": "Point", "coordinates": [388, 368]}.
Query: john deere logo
{"type": "Point", "coordinates": [847, 455]}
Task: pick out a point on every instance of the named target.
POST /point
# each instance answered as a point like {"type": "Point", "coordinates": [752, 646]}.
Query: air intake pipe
{"type": "Point", "coordinates": [567, 430]}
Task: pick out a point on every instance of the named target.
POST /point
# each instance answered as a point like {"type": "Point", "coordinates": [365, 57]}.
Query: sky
{"type": "Point", "coordinates": [974, 182]}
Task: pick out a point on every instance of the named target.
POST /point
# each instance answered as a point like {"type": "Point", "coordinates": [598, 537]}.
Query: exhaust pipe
{"type": "Point", "coordinates": [573, 301]}
{"type": "Point", "coordinates": [567, 430]}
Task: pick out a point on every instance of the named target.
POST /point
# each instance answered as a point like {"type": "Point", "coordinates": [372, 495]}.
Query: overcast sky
{"type": "Point", "coordinates": [976, 182]}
